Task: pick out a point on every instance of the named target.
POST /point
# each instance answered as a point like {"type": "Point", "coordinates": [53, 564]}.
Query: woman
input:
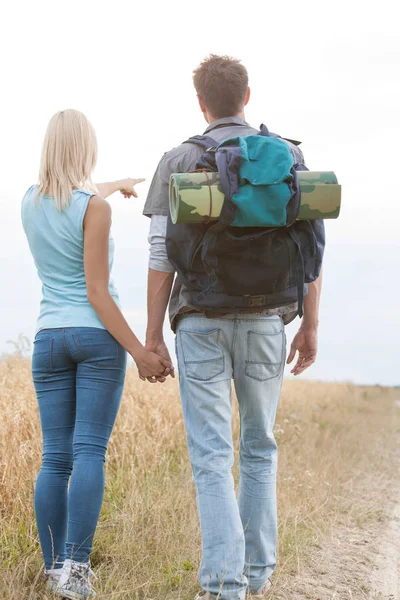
{"type": "Point", "coordinates": [79, 356]}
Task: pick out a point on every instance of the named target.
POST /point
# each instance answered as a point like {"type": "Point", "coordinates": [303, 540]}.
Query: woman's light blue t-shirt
{"type": "Point", "coordinates": [56, 241]}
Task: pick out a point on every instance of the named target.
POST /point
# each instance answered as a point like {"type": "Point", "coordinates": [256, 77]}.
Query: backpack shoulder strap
{"type": "Point", "coordinates": [264, 131]}
{"type": "Point", "coordinates": [294, 142]}
{"type": "Point", "coordinates": [208, 147]}
{"type": "Point", "coordinates": [204, 141]}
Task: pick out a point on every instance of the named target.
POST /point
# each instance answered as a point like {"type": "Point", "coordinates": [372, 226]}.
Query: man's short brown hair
{"type": "Point", "coordinates": [222, 83]}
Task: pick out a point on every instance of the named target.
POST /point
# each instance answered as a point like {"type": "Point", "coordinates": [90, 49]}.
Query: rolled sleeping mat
{"type": "Point", "coordinates": [198, 197]}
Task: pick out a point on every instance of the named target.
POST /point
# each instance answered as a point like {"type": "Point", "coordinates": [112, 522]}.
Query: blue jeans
{"type": "Point", "coordinates": [79, 376]}
{"type": "Point", "coordinates": [238, 533]}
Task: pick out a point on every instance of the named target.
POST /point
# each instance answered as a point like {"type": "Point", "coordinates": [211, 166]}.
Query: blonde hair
{"type": "Point", "coordinates": [69, 155]}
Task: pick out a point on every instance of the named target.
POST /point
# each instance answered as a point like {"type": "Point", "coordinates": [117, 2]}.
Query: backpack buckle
{"type": "Point", "coordinates": [257, 300]}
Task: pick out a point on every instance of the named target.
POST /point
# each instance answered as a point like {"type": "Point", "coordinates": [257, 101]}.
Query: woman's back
{"type": "Point", "coordinates": [56, 240]}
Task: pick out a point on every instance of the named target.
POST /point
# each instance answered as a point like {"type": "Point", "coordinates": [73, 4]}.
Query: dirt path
{"type": "Point", "coordinates": [361, 563]}
{"type": "Point", "coordinates": [385, 578]}
{"type": "Point", "coordinates": [360, 559]}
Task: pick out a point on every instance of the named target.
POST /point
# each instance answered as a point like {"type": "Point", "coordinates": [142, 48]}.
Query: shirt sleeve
{"type": "Point", "coordinates": [179, 160]}
{"type": "Point", "coordinates": [157, 198]}
{"type": "Point", "coordinates": [158, 260]}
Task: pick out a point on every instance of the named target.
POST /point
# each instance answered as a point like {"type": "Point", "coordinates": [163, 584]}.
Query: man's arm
{"type": "Point", "coordinates": [159, 284]}
{"type": "Point", "coordinates": [161, 272]}
{"type": "Point", "coordinates": [311, 304]}
{"type": "Point", "coordinates": [96, 225]}
{"type": "Point", "coordinates": [305, 341]}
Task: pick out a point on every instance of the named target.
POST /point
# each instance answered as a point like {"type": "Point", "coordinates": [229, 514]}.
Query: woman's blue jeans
{"type": "Point", "coordinates": [79, 375]}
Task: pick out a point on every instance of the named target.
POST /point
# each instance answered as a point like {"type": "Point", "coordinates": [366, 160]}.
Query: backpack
{"type": "Point", "coordinates": [254, 256]}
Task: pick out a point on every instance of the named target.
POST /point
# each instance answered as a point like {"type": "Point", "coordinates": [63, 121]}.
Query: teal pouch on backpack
{"type": "Point", "coordinates": [265, 177]}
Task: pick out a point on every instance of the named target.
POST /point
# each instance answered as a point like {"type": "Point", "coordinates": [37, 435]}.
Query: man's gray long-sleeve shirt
{"type": "Point", "coordinates": [183, 159]}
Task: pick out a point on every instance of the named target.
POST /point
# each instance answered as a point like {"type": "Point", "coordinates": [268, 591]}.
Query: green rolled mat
{"type": "Point", "coordinates": [198, 197]}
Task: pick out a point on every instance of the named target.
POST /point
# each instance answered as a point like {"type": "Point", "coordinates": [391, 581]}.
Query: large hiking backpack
{"type": "Point", "coordinates": [256, 255]}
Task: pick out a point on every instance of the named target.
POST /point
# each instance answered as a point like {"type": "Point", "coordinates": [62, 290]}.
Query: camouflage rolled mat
{"type": "Point", "coordinates": [198, 197]}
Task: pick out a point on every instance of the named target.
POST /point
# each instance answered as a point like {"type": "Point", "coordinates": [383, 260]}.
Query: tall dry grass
{"type": "Point", "coordinates": [336, 447]}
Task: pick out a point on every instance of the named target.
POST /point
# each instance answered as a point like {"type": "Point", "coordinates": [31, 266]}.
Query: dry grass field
{"type": "Point", "coordinates": [337, 457]}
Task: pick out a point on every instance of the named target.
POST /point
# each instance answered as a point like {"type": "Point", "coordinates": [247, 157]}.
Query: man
{"type": "Point", "coordinates": [238, 534]}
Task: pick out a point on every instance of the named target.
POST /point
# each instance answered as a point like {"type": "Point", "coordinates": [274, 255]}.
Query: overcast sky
{"type": "Point", "coordinates": [323, 74]}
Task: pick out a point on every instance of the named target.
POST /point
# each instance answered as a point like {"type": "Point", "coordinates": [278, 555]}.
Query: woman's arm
{"type": "Point", "coordinates": [125, 186]}
{"type": "Point", "coordinates": [97, 223]}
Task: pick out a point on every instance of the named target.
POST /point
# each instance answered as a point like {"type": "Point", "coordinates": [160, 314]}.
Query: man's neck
{"type": "Point", "coordinates": [210, 119]}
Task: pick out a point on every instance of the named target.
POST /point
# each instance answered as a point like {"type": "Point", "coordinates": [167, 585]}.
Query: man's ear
{"type": "Point", "coordinates": [247, 98]}
{"type": "Point", "coordinates": [201, 104]}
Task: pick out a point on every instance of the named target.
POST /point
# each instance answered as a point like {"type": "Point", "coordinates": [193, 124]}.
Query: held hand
{"type": "Point", "coordinates": [127, 187]}
{"type": "Point", "coordinates": [151, 365]}
{"type": "Point", "coordinates": [161, 349]}
{"type": "Point", "coordinates": [305, 342]}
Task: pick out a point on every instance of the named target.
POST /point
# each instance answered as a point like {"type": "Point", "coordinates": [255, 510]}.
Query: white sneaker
{"type": "Point", "coordinates": [74, 582]}
{"type": "Point", "coordinates": [53, 578]}
{"type": "Point", "coordinates": [261, 592]}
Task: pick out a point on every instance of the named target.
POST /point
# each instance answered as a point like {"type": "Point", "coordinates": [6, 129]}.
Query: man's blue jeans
{"type": "Point", "coordinates": [79, 377]}
{"type": "Point", "coordinates": [238, 534]}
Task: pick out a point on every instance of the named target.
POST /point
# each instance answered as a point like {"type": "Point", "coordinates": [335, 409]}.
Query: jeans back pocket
{"type": "Point", "coordinates": [202, 355]}
{"type": "Point", "coordinates": [42, 358]}
{"type": "Point", "coordinates": [97, 347]}
{"type": "Point", "coordinates": [265, 355]}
